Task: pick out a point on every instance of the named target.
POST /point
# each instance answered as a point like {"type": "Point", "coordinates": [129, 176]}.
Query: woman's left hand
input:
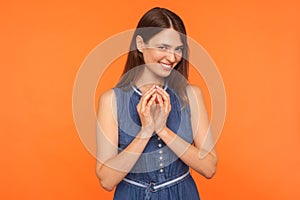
{"type": "Point", "coordinates": [162, 109]}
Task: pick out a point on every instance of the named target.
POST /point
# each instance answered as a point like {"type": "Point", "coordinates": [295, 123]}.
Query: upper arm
{"type": "Point", "coordinates": [203, 138]}
{"type": "Point", "coordinates": [106, 128]}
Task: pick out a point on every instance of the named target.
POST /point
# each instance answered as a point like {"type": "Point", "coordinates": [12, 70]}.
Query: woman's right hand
{"type": "Point", "coordinates": [144, 111]}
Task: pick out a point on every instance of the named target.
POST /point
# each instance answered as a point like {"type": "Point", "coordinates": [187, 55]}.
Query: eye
{"type": "Point", "coordinates": [179, 50]}
{"type": "Point", "coordinates": [162, 47]}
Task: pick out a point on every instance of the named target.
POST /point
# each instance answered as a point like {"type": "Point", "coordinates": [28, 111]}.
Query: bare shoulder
{"type": "Point", "coordinates": [194, 91]}
{"type": "Point", "coordinates": [107, 103]}
{"type": "Point", "coordinates": [108, 95]}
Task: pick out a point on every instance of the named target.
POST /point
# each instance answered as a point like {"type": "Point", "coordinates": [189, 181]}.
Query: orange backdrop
{"type": "Point", "coordinates": [255, 44]}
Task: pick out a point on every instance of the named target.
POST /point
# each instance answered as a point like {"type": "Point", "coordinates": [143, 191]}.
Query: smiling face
{"type": "Point", "coordinates": [161, 53]}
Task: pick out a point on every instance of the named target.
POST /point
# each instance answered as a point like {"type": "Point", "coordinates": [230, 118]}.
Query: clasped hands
{"type": "Point", "coordinates": [153, 109]}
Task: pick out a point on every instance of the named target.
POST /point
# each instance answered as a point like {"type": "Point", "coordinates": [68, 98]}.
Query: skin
{"type": "Point", "coordinates": [163, 49]}
{"type": "Point", "coordinates": [153, 109]}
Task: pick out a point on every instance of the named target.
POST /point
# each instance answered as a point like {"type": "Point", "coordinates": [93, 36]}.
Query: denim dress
{"type": "Point", "coordinates": [158, 164]}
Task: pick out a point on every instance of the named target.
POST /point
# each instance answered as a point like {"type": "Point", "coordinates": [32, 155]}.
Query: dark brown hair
{"type": "Point", "coordinates": [153, 22]}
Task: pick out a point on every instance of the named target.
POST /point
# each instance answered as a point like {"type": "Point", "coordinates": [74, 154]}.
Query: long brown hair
{"type": "Point", "coordinates": [152, 22]}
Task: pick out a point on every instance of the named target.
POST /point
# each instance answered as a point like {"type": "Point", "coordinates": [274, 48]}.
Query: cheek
{"type": "Point", "coordinates": [153, 56]}
{"type": "Point", "coordinates": [179, 59]}
{"type": "Point", "coordinates": [157, 56]}
{"type": "Point", "coordinates": [178, 56]}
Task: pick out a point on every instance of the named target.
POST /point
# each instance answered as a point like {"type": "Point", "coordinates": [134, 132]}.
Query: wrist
{"type": "Point", "coordinates": [162, 131]}
{"type": "Point", "coordinates": [146, 133]}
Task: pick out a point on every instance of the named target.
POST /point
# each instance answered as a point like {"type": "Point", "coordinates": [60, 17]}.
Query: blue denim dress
{"type": "Point", "coordinates": [158, 164]}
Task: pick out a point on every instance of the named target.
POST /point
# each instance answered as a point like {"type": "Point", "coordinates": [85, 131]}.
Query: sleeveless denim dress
{"type": "Point", "coordinates": [158, 173]}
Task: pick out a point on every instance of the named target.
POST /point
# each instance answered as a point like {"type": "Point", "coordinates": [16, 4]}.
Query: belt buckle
{"type": "Point", "coordinates": [151, 186]}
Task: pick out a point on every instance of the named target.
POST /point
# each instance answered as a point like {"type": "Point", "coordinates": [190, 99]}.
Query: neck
{"type": "Point", "coordinates": [148, 79]}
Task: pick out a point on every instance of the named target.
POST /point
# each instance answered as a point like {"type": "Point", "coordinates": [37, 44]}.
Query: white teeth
{"type": "Point", "coordinates": [166, 66]}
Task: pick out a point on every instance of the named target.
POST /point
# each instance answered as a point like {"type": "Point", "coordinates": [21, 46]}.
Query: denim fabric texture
{"type": "Point", "coordinates": [158, 163]}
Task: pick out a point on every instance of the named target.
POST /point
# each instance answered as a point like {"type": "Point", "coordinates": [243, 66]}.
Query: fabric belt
{"type": "Point", "coordinates": [153, 187]}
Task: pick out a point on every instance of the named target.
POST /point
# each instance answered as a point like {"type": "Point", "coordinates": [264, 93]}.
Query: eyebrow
{"type": "Point", "coordinates": [167, 45]}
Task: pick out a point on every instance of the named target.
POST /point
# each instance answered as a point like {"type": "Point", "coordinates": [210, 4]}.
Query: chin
{"type": "Point", "coordinates": [165, 74]}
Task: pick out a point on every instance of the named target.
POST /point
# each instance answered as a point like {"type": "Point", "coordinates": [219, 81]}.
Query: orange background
{"type": "Point", "coordinates": [255, 44]}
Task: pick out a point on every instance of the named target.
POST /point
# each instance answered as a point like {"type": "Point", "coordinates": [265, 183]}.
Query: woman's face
{"type": "Point", "coordinates": [162, 52]}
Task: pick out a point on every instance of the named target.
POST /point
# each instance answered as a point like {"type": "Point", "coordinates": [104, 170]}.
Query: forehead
{"type": "Point", "coordinates": [167, 36]}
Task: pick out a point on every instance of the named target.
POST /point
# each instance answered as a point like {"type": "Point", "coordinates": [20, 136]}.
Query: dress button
{"type": "Point", "coordinates": [159, 145]}
{"type": "Point", "coordinates": [158, 138]}
{"type": "Point", "coordinates": [161, 170]}
{"type": "Point", "coordinates": [160, 158]}
{"type": "Point", "coordinates": [160, 151]}
{"type": "Point", "coordinates": [160, 164]}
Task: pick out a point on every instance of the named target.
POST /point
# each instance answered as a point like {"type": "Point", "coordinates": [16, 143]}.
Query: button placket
{"type": "Point", "coordinates": [161, 163]}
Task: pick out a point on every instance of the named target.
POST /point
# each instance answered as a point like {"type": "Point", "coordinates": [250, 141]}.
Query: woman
{"type": "Point", "coordinates": [152, 125]}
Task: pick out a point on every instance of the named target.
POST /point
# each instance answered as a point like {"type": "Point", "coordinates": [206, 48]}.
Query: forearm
{"type": "Point", "coordinates": [112, 171]}
{"type": "Point", "coordinates": [189, 154]}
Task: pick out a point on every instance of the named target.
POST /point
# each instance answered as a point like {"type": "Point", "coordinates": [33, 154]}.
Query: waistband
{"type": "Point", "coordinates": [153, 187]}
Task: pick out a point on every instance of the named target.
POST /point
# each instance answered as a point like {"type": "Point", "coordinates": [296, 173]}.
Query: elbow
{"type": "Point", "coordinates": [106, 186]}
{"type": "Point", "coordinates": [105, 183]}
{"type": "Point", "coordinates": [210, 173]}
{"type": "Point", "coordinates": [211, 170]}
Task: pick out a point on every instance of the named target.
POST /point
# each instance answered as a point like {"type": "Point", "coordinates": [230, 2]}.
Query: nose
{"type": "Point", "coordinates": [171, 56]}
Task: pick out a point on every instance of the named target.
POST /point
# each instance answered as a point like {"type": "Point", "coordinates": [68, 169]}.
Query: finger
{"type": "Point", "coordinates": [145, 98]}
{"type": "Point", "coordinates": [165, 96]}
{"type": "Point", "coordinates": [166, 99]}
{"type": "Point", "coordinates": [149, 90]}
{"type": "Point", "coordinates": [161, 89]}
{"type": "Point", "coordinates": [159, 99]}
{"type": "Point", "coordinates": [151, 101]}
{"type": "Point", "coordinates": [153, 86]}
{"type": "Point", "coordinates": [149, 104]}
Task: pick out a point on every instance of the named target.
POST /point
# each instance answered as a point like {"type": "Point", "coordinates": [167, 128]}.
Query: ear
{"type": "Point", "coordinates": [139, 43]}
